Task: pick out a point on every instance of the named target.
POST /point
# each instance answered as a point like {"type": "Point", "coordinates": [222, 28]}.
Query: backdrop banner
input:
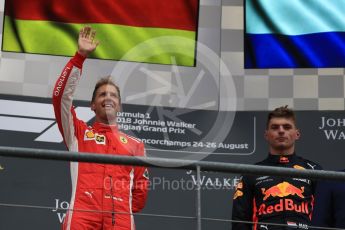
{"type": "Point", "coordinates": [35, 193]}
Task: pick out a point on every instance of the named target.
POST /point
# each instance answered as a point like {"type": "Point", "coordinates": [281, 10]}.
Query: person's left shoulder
{"type": "Point", "coordinates": [125, 138]}
{"type": "Point", "coordinates": [132, 144]}
{"type": "Point", "coordinates": [308, 164]}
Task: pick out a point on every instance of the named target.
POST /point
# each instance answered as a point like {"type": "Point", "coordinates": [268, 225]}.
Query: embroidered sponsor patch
{"type": "Point", "coordinates": [100, 139]}
{"type": "Point", "coordinates": [290, 223]}
{"type": "Point", "coordinates": [262, 178]}
{"type": "Point", "coordinates": [89, 135]}
{"type": "Point", "coordinates": [298, 167]}
{"type": "Point", "coordinates": [237, 194]}
{"type": "Point", "coordinates": [283, 159]}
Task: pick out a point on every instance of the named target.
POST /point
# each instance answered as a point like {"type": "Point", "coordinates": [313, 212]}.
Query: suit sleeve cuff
{"type": "Point", "coordinates": [78, 60]}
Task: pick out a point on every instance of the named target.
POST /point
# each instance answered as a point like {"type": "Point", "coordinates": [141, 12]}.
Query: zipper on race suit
{"type": "Point", "coordinates": [112, 202]}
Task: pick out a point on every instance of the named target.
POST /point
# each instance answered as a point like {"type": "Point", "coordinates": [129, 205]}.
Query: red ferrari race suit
{"type": "Point", "coordinates": [109, 193]}
{"type": "Point", "coordinates": [271, 199]}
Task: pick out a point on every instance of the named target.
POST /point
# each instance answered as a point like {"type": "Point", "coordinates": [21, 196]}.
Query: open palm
{"type": "Point", "coordinates": [86, 42]}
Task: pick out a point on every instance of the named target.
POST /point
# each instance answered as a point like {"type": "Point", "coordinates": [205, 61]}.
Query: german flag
{"type": "Point", "coordinates": [153, 31]}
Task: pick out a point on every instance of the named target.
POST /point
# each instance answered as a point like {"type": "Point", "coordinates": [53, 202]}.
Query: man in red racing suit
{"type": "Point", "coordinates": [104, 196]}
{"type": "Point", "coordinates": [286, 202]}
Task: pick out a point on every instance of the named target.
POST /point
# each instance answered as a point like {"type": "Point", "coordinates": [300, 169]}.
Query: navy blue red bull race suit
{"type": "Point", "coordinates": [285, 201]}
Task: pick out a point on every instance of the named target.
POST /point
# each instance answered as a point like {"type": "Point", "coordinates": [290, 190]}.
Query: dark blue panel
{"type": "Point", "coordinates": [319, 50]}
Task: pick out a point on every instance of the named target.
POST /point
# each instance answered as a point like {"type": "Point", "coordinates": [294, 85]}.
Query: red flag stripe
{"type": "Point", "coordinates": [175, 14]}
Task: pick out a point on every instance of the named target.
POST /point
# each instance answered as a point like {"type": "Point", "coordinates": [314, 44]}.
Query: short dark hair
{"type": "Point", "coordinates": [105, 81]}
{"type": "Point", "coordinates": [281, 112]}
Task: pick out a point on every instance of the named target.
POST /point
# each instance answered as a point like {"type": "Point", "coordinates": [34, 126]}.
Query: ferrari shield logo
{"type": "Point", "coordinates": [123, 139]}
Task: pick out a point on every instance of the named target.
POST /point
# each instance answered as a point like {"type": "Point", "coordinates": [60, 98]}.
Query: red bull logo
{"type": "Point", "coordinates": [284, 205]}
{"type": "Point", "coordinates": [283, 189]}
{"type": "Point", "coordinates": [283, 159]}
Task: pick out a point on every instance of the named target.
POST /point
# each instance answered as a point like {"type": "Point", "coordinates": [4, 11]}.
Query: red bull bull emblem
{"type": "Point", "coordinates": [283, 189]}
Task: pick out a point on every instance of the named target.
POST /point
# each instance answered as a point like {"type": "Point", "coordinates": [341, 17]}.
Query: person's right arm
{"type": "Point", "coordinates": [63, 97]}
{"type": "Point", "coordinates": [242, 207]}
{"type": "Point", "coordinates": [66, 85]}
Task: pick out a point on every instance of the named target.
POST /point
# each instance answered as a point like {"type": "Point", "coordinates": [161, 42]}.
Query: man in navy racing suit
{"type": "Point", "coordinates": [285, 202]}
